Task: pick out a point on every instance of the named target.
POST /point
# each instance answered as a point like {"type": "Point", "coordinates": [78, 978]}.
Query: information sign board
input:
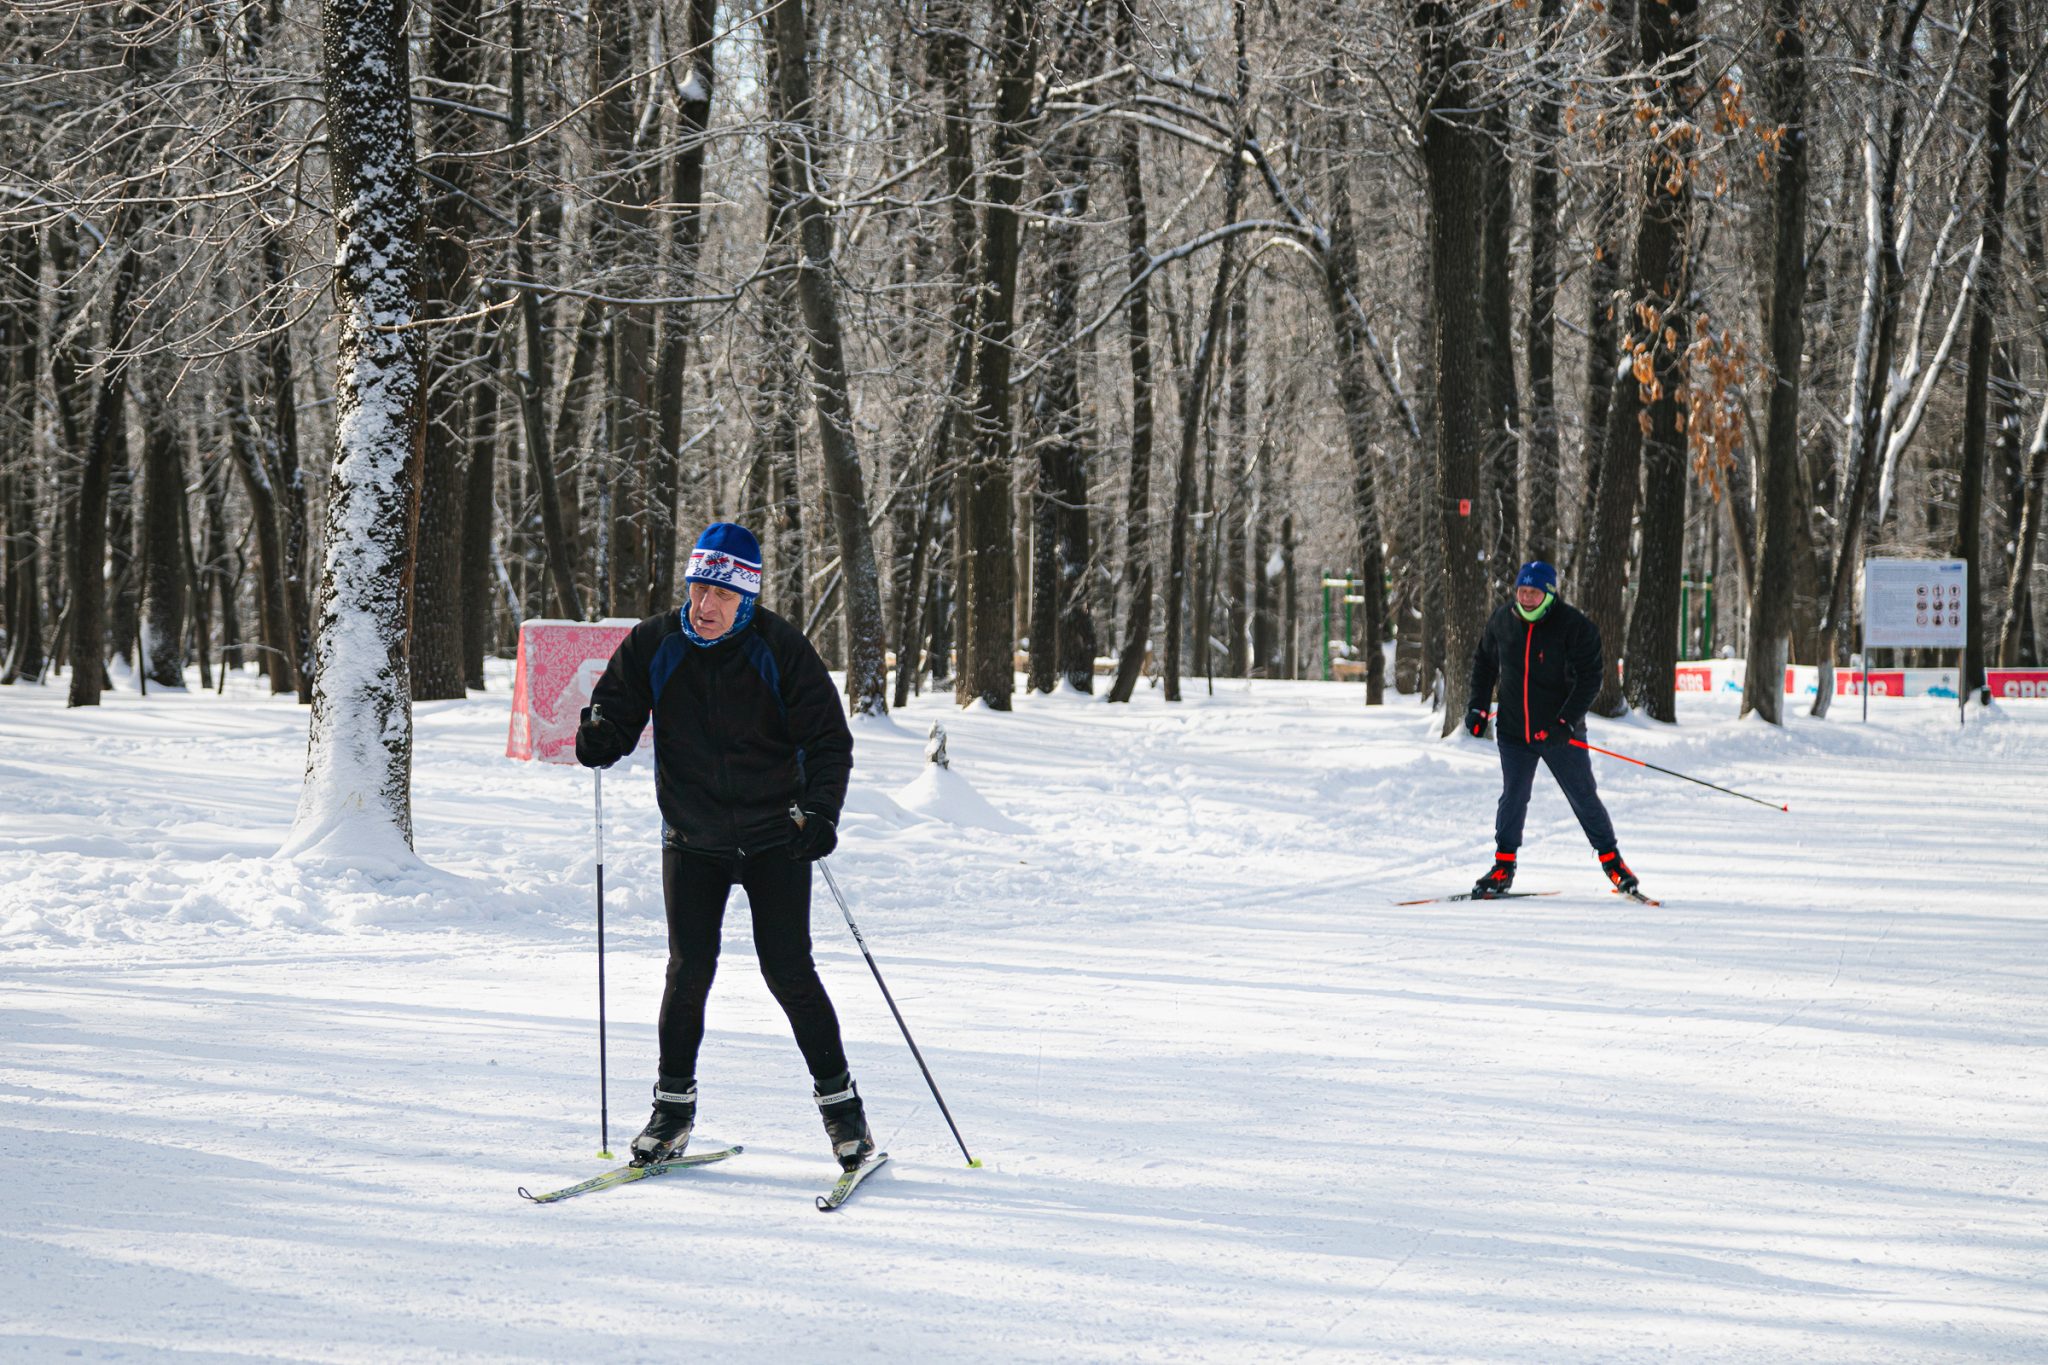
{"type": "Point", "coordinates": [1914, 603]}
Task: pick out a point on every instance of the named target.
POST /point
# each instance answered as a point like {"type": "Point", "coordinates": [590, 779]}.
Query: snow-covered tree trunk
{"type": "Point", "coordinates": [357, 799]}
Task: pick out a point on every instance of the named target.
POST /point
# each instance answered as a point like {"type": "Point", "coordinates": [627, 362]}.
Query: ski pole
{"type": "Point", "coordinates": [796, 814]}
{"type": "Point", "coordinates": [604, 1114]}
{"type": "Point", "coordinates": [1669, 773]}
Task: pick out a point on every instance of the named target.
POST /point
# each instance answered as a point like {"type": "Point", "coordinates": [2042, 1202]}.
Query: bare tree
{"type": "Point", "coordinates": [358, 795]}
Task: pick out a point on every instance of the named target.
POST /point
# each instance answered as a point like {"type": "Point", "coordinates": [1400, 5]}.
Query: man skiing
{"type": "Point", "coordinates": [1544, 655]}
{"type": "Point", "coordinates": [747, 726]}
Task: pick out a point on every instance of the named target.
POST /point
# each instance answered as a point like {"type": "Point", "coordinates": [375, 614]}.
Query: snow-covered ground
{"type": "Point", "coordinates": [1232, 1101]}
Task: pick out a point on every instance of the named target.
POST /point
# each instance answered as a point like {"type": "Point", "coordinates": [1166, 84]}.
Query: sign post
{"type": "Point", "coordinates": [1915, 604]}
{"type": "Point", "coordinates": [559, 662]}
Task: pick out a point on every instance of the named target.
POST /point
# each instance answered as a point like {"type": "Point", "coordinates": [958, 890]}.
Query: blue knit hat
{"type": "Point", "coordinates": [727, 555]}
{"type": "Point", "coordinates": [1537, 574]}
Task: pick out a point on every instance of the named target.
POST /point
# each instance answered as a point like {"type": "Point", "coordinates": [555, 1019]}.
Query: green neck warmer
{"type": "Point", "coordinates": [1537, 615]}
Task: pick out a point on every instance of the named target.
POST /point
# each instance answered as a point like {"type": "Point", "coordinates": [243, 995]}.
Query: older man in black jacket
{"type": "Point", "coordinates": [1543, 655]}
{"type": "Point", "coordinates": [747, 729]}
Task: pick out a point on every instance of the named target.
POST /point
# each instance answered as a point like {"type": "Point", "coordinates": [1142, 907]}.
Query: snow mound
{"type": "Point", "coordinates": [943, 794]}
{"type": "Point", "coordinates": [864, 800]}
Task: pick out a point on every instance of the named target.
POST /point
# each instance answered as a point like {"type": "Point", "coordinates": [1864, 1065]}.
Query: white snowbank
{"type": "Point", "coordinates": [1233, 1103]}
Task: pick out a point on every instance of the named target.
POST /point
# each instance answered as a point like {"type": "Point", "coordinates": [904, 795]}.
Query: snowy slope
{"type": "Point", "coordinates": [1233, 1103]}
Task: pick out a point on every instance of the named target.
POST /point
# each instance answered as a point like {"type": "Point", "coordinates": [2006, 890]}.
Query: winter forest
{"type": "Point", "coordinates": [1142, 405]}
{"type": "Point", "coordinates": [1028, 333]}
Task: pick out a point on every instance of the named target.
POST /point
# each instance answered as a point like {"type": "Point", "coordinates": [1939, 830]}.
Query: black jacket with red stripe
{"type": "Point", "coordinates": [1546, 670]}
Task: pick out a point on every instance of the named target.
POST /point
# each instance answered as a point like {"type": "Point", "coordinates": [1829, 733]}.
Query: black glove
{"type": "Point", "coordinates": [816, 837]}
{"type": "Point", "coordinates": [598, 742]}
{"type": "Point", "coordinates": [1475, 722]}
{"type": "Point", "coordinates": [1558, 733]}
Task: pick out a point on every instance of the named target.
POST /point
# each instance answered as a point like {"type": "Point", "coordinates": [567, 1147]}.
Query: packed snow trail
{"type": "Point", "coordinates": [1232, 1102]}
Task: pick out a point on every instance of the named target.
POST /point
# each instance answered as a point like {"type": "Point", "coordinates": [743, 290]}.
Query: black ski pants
{"type": "Point", "coordinates": [1573, 769]}
{"type": "Point", "coordinates": [695, 888]}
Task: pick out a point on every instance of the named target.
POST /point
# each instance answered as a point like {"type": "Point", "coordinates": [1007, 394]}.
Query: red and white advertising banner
{"type": "Point", "coordinates": [1701, 677]}
{"type": "Point", "coordinates": [1692, 678]}
{"type": "Point", "coordinates": [2017, 684]}
{"type": "Point", "coordinates": [1804, 681]}
{"type": "Point", "coordinates": [559, 662]}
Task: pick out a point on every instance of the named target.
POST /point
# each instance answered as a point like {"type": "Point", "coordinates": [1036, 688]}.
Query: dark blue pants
{"type": "Point", "coordinates": [1573, 769]}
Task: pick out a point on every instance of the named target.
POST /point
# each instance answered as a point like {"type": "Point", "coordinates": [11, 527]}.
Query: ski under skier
{"type": "Point", "coordinates": [1543, 655]}
{"type": "Point", "coordinates": [747, 726]}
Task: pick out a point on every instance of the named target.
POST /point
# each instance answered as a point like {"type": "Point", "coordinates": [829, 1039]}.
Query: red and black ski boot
{"type": "Point", "coordinates": [1496, 882]}
{"type": "Point", "coordinates": [1618, 872]}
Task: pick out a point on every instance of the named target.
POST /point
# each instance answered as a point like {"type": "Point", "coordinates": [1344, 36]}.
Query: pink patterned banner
{"type": "Point", "coordinates": [559, 662]}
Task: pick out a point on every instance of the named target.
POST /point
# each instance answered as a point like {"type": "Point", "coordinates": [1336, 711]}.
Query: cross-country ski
{"type": "Point", "coordinates": [1479, 896]}
{"type": "Point", "coordinates": [849, 1181]}
{"type": "Point", "coordinates": [625, 1175]}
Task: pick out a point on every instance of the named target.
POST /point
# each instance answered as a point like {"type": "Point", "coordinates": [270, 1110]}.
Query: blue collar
{"type": "Point", "coordinates": [740, 621]}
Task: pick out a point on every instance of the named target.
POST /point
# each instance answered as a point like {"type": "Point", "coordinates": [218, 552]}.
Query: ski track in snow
{"type": "Point", "coordinates": [1233, 1104]}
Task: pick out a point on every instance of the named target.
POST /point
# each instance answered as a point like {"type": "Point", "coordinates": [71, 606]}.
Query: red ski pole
{"type": "Point", "coordinates": [1669, 773]}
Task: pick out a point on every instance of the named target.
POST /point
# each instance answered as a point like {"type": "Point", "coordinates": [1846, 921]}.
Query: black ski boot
{"type": "Point", "coordinates": [846, 1123]}
{"type": "Point", "coordinates": [668, 1129]}
{"type": "Point", "coordinates": [1498, 880]}
{"type": "Point", "coordinates": [1617, 872]}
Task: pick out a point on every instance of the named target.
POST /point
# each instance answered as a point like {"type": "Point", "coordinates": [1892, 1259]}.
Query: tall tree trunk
{"type": "Point", "coordinates": [455, 61]}
{"type": "Point", "coordinates": [990, 606]}
{"type": "Point", "coordinates": [533, 379]}
{"type": "Point", "coordinates": [1195, 395]}
{"type": "Point", "coordinates": [1877, 330]}
{"type": "Point", "coordinates": [1770, 601]}
{"type": "Point", "coordinates": [1976, 390]}
{"type": "Point", "coordinates": [124, 595]}
{"type": "Point", "coordinates": [273, 615]}
{"type": "Point", "coordinates": [867, 676]}
{"type": "Point", "coordinates": [2012, 628]}
{"type": "Point", "coordinates": [1454, 167]}
{"type": "Point", "coordinates": [89, 541]}
{"type": "Point", "coordinates": [214, 574]}
{"type": "Point", "coordinates": [1265, 622]}
{"type": "Point", "coordinates": [622, 240]}
{"type": "Point", "coordinates": [1061, 628]}
{"type": "Point", "coordinates": [1669, 34]}
{"type": "Point", "coordinates": [21, 272]}
{"type": "Point", "coordinates": [479, 505]}
{"type": "Point", "coordinates": [1542, 473]}
{"type": "Point", "coordinates": [686, 238]}
{"type": "Point", "coordinates": [1354, 393]}
{"type": "Point", "coordinates": [279, 394]}
{"type": "Point", "coordinates": [1502, 475]}
{"type": "Point", "coordinates": [1138, 328]}
{"type": "Point", "coordinates": [161, 553]}
{"type": "Point", "coordinates": [357, 800]}
{"type": "Point", "coordinates": [1604, 311]}
{"type": "Point", "coordinates": [1235, 536]}
{"type": "Point", "coordinates": [776, 399]}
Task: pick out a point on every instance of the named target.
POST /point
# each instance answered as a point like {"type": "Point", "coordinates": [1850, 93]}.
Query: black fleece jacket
{"type": "Point", "coordinates": [743, 728]}
{"type": "Point", "coordinates": [1547, 670]}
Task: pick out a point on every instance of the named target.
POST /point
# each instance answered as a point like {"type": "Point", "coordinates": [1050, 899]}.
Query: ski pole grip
{"type": "Point", "coordinates": [796, 813]}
